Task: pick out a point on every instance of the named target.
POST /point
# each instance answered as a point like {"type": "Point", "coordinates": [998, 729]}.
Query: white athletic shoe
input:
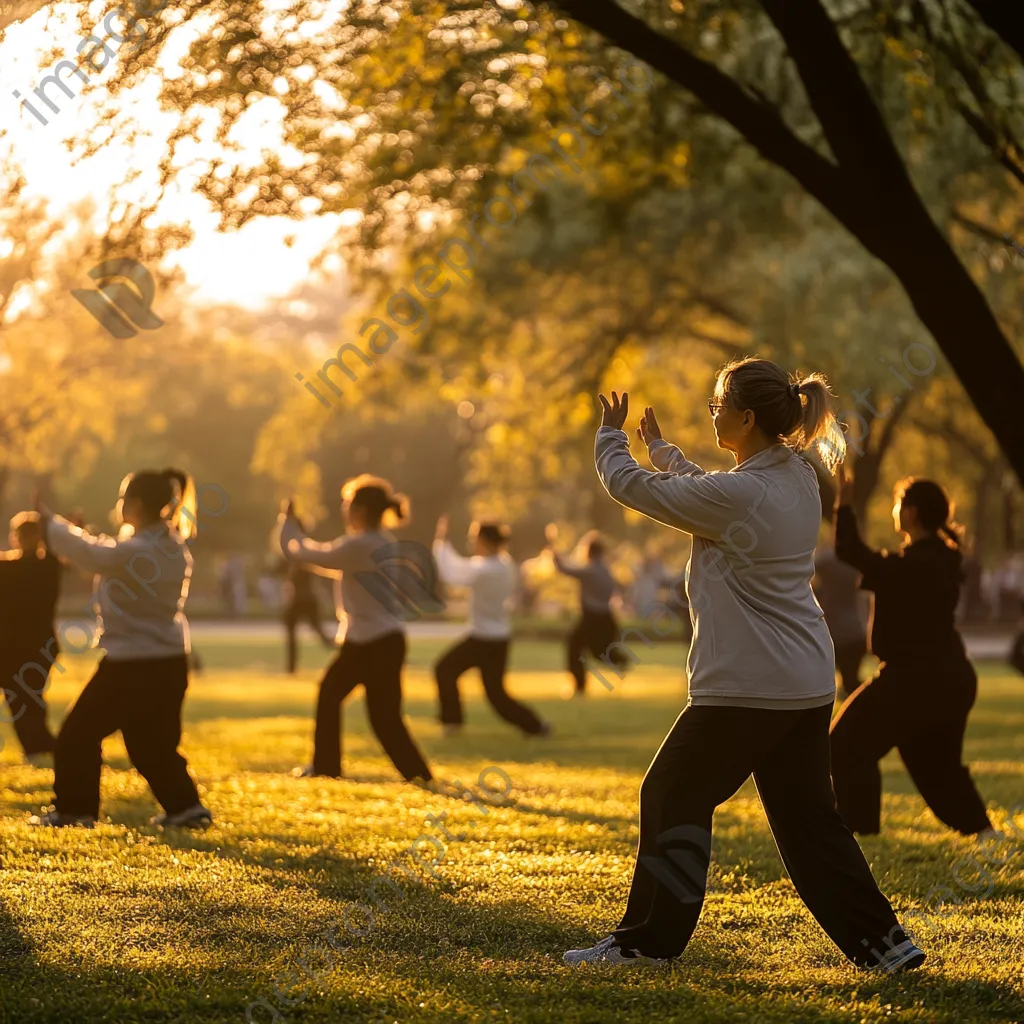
{"type": "Point", "coordinates": [55, 819]}
{"type": "Point", "coordinates": [196, 816]}
{"type": "Point", "coordinates": [605, 952]}
{"type": "Point", "coordinates": [42, 760]}
{"type": "Point", "coordinates": [573, 954]}
{"type": "Point", "coordinates": [904, 957]}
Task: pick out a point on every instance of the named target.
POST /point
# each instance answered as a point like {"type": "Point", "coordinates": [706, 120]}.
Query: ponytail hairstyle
{"type": "Point", "coordinates": [494, 533]}
{"type": "Point", "coordinates": [169, 495]}
{"type": "Point", "coordinates": [934, 509]}
{"type": "Point", "coordinates": [798, 411]}
{"type": "Point", "coordinates": [378, 499]}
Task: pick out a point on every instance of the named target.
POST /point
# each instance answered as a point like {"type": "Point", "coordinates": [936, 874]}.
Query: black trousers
{"type": "Point", "coordinates": [921, 710]}
{"type": "Point", "coordinates": [849, 655]}
{"type": "Point", "coordinates": [26, 703]}
{"type": "Point", "coordinates": [490, 657]}
{"type": "Point", "coordinates": [377, 666]}
{"type": "Point", "coordinates": [595, 632]}
{"type": "Point", "coordinates": [304, 610]}
{"type": "Point", "coordinates": [706, 757]}
{"type": "Point", "coordinates": [143, 700]}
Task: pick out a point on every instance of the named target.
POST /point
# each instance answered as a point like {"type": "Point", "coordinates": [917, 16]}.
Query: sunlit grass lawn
{"type": "Point", "coordinates": [126, 924]}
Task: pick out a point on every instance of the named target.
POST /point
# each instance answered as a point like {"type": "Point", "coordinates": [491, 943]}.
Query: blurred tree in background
{"type": "Point", "coordinates": [718, 209]}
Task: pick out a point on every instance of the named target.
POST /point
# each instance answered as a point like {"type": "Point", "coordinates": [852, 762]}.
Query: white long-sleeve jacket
{"type": "Point", "coordinates": [492, 583]}
{"type": "Point", "coordinates": [759, 636]}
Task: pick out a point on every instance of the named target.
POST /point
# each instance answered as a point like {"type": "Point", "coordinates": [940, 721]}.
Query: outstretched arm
{"type": "Point", "coordinates": [297, 547]}
{"type": "Point", "coordinates": [94, 554]}
{"type": "Point", "coordinates": [704, 504]}
{"type": "Point", "coordinates": [852, 550]}
{"type": "Point", "coordinates": [453, 567]}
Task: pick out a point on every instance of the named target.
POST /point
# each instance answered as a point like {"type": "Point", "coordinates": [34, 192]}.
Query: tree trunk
{"type": "Point", "coordinates": [868, 190]}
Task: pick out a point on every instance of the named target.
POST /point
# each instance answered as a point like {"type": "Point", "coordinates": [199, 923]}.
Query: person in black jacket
{"type": "Point", "coordinates": [29, 588]}
{"type": "Point", "coordinates": [924, 689]}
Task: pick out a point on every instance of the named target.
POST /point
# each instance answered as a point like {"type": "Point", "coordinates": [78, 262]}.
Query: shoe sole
{"type": "Point", "coordinates": [910, 964]}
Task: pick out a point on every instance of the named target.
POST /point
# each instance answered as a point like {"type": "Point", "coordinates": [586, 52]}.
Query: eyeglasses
{"type": "Point", "coordinates": [713, 407]}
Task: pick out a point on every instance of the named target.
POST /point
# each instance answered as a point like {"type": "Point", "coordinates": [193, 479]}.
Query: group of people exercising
{"type": "Point", "coordinates": [761, 665]}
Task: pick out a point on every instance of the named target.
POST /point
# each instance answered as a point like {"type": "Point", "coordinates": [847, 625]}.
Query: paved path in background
{"type": "Point", "coordinates": [980, 646]}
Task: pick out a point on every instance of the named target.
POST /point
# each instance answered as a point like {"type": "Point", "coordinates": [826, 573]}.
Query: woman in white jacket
{"type": "Point", "coordinates": [761, 671]}
{"type": "Point", "coordinates": [491, 576]}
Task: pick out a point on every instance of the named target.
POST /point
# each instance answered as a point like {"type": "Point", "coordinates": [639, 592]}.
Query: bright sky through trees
{"type": "Point", "coordinates": [240, 268]}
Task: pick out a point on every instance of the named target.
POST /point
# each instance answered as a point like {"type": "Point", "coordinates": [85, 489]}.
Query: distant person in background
{"type": "Point", "coordinates": [528, 592]}
{"type": "Point", "coordinates": [491, 576]}
{"type": "Point", "coordinates": [30, 578]}
{"type": "Point", "coordinates": [925, 687]}
{"type": "Point", "coordinates": [373, 642]}
{"type": "Point", "coordinates": [835, 586]}
{"type": "Point", "coordinates": [651, 579]}
{"type": "Point", "coordinates": [596, 629]}
{"type": "Point", "coordinates": [225, 587]}
{"type": "Point", "coordinates": [301, 605]}
{"type": "Point", "coordinates": [139, 686]}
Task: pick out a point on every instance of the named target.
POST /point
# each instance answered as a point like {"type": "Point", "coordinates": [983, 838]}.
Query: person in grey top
{"type": "Point", "coordinates": [762, 675]}
{"type": "Point", "coordinates": [138, 688]}
{"type": "Point", "coordinates": [371, 610]}
{"type": "Point", "coordinates": [596, 630]}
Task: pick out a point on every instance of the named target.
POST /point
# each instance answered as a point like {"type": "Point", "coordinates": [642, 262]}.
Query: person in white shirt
{"type": "Point", "coordinates": [373, 598]}
{"type": "Point", "coordinates": [761, 670]}
{"type": "Point", "coordinates": [492, 578]}
{"type": "Point", "coordinates": [140, 589]}
{"type": "Point", "coordinates": [596, 630]}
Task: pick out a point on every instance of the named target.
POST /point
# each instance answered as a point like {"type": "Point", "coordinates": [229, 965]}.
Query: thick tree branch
{"type": "Point", "coordinates": [1004, 17]}
{"type": "Point", "coordinates": [760, 125]}
{"type": "Point", "coordinates": [853, 125]}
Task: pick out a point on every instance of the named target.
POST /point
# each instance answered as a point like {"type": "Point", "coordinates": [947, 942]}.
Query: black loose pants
{"type": "Point", "coordinates": [296, 611]}
{"type": "Point", "coordinates": [595, 632]}
{"type": "Point", "coordinates": [490, 657]}
{"type": "Point", "coordinates": [25, 700]}
{"type": "Point", "coordinates": [706, 757]}
{"type": "Point", "coordinates": [141, 698]}
{"type": "Point", "coordinates": [377, 666]}
{"type": "Point", "coordinates": [921, 709]}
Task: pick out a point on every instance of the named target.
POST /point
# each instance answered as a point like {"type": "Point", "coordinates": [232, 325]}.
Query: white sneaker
{"type": "Point", "coordinates": [605, 952]}
{"type": "Point", "coordinates": [196, 816]}
{"type": "Point", "coordinates": [573, 954]}
{"type": "Point", "coordinates": [904, 957]}
{"type": "Point", "coordinates": [56, 819]}
{"type": "Point", "coordinates": [42, 760]}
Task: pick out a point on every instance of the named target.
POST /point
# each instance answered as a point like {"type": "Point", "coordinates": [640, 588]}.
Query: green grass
{"type": "Point", "coordinates": [127, 924]}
